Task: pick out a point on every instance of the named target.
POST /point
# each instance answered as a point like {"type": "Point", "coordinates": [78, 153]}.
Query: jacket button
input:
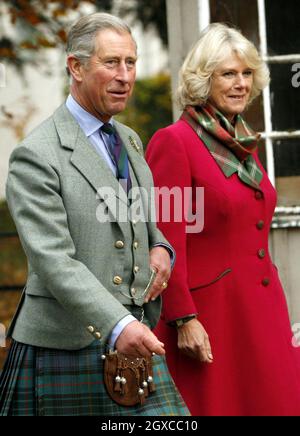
{"type": "Point", "coordinates": [265, 281]}
{"type": "Point", "coordinates": [261, 253]}
{"type": "Point", "coordinates": [136, 269]}
{"type": "Point", "coordinates": [260, 225]}
{"type": "Point", "coordinates": [119, 244]}
{"type": "Point", "coordinates": [133, 291]}
{"type": "Point", "coordinates": [117, 280]}
{"type": "Point", "coordinates": [258, 195]}
{"type": "Point", "coordinates": [97, 335]}
{"type": "Point", "coordinates": [91, 329]}
{"type": "Point", "coordinates": [135, 245]}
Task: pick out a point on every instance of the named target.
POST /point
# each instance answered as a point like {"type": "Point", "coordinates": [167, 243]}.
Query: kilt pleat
{"type": "Point", "coordinates": [40, 381]}
{"type": "Point", "coordinates": [9, 376]}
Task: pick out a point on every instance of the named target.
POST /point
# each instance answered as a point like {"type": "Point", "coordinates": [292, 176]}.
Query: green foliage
{"type": "Point", "coordinates": [13, 266]}
{"type": "Point", "coordinates": [150, 107]}
{"type": "Point", "coordinates": [6, 222]}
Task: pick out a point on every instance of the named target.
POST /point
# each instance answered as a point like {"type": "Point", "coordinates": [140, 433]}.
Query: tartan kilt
{"type": "Point", "coordinates": [39, 381]}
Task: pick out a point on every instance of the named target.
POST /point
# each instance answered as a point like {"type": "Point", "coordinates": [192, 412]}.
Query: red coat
{"type": "Point", "coordinates": [256, 370]}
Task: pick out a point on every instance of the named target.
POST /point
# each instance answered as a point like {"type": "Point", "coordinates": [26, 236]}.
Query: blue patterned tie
{"type": "Point", "coordinates": [119, 156]}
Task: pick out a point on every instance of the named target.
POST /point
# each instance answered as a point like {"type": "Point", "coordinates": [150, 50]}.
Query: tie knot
{"type": "Point", "coordinates": [108, 128]}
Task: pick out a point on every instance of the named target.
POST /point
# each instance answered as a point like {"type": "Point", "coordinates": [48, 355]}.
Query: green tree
{"type": "Point", "coordinates": [150, 108]}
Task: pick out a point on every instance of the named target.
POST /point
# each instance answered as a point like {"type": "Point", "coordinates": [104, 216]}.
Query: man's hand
{"type": "Point", "coordinates": [160, 261]}
{"type": "Point", "coordinates": [194, 342]}
{"type": "Point", "coordinates": [137, 340]}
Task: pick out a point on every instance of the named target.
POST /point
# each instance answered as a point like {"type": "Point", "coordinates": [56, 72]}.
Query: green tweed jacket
{"type": "Point", "coordinates": [74, 290]}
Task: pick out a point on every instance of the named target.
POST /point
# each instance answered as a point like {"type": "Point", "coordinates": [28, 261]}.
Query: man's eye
{"type": "Point", "coordinates": [111, 62]}
{"type": "Point", "coordinates": [130, 63]}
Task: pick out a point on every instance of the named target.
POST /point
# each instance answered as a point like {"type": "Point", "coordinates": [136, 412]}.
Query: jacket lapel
{"type": "Point", "coordinates": [86, 160]}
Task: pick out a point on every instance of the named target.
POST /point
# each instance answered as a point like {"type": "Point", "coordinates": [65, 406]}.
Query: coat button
{"type": "Point", "coordinates": [261, 253]}
{"type": "Point", "coordinates": [133, 291]}
{"type": "Point", "coordinates": [135, 245]}
{"type": "Point", "coordinates": [265, 281]}
{"type": "Point", "coordinates": [117, 280]}
{"type": "Point", "coordinates": [97, 335]}
{"type": "Point", "coordinates": [91, 329]}
{"type": "Point", "coordinates": [119, 244]}
{"type": "Point", "coordinates": [136, 269]}
{"type": "Point", "coordinates": [260, 225]}
{"type": "Point", "coordinates": [258, 195]}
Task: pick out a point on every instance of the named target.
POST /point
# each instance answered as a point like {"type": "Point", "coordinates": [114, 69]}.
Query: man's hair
{"type": "Point", "coordinates": [216, 43]}
{"type": "Point", "coordinates": [81, 36]}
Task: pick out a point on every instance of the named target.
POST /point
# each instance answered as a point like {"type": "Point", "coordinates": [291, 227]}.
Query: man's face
{"type": "Point", "coordinates": [107, 81]}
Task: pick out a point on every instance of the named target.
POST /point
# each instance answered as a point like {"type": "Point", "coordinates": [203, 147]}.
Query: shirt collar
{"type": "Point", "coordinates": [87, 121]}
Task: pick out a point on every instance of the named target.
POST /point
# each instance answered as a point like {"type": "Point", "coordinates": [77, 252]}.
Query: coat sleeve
{"type": "Point", "coordinates": [169, 163]}
{"type": "Point", "coordinates": [33, 195]}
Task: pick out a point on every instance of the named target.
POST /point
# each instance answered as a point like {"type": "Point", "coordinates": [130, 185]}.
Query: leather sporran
{"type": "Point", "coordinates": [128, 381]}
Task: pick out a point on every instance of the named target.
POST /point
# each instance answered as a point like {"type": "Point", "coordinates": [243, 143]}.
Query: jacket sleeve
{"type": "Point", "coordinates": [33, 195]}
{"type": "Point", "coordinates": [169, 163]}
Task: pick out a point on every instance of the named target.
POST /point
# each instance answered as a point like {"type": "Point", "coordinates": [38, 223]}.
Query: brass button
{"type": "Point", "coordinates": [260, 225]}
{"type": "Point", "coordinates": [136, 269]}
{"type": "Point", "coordinates": [117, 280]}
{"type": "Point", "coordinates": [119, 244]}
{"type": "Point", "coordinates": [258, 195]}
{"type": "Point", "coordinates": [97, 335]}
{"type": "Point", "coordinates": [91, 329]}
{"type": "Point", "coordinates": [261, 253]}
{"type": "Point", "coordinates": [135, 245]}
{"type": "Point", "coordinates": [265, 281]}
{"type": "Point", "coordinates": [133, 291]}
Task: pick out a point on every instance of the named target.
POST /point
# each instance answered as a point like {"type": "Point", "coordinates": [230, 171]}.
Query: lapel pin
{"type": "Point", "coordinates": [134, 143]}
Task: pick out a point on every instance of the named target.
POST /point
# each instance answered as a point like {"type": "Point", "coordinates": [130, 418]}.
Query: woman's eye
{"type": "Point", "coordinates": [228, 74]}
{"type": "Point", "coordinates": [248, 73]}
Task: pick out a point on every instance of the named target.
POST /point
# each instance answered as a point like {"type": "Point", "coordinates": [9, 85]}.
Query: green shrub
{"type": "Point", "coordinates": [150, 107]}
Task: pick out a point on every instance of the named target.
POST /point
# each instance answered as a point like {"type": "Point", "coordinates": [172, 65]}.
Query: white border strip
{"type": "Point", "coordinates": [266, 92]}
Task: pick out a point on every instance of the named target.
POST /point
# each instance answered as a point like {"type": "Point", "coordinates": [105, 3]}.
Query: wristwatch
{"type": "Point", "coordinates": [180, 321]}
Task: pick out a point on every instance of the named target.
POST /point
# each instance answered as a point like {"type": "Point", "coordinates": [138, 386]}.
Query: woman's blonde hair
{"type": "Point", "coordinates": [215, 44]}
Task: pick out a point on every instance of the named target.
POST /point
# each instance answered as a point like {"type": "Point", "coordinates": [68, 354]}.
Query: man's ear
{"type": "Point", "coordinates": [75, 67]}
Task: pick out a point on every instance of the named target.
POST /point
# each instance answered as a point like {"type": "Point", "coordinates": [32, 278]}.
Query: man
{"type": "Point", "coordinates": [90, 281]}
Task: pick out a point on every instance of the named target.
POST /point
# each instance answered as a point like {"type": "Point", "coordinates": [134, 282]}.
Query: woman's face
{"type": "Point", "coordinates": [231, 86]}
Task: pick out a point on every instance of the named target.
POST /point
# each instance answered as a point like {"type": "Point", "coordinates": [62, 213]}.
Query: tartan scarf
{"type": "Point", "coordinates": [232, 147]}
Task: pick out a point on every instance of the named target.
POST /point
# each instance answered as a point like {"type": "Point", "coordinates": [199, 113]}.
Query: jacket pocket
{"type": "Point", "coordinates": [211, 282]}
{"type": "Point", "coordinates": [36, 287]}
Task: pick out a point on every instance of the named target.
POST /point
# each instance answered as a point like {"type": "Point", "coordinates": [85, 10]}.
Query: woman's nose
{"type": "Point", "coordinates": [240, 81]}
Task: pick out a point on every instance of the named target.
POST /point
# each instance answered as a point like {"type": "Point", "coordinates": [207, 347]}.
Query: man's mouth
{"type": "Point", "coordinates": [118, 93]}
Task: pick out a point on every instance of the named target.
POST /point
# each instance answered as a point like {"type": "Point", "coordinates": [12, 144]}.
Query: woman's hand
{"type": "Point", "coordinates": [194, 342]}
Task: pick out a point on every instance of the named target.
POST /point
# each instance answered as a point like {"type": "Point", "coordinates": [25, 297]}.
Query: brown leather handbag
{"type": "Point", "coordinates": [128, 380]}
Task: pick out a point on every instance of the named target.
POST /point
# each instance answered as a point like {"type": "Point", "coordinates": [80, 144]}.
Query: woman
{"type": "Point", "coordinates": [232, 353]}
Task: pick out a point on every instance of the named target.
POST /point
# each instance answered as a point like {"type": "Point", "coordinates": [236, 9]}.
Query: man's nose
{"type": "Point", "coordinates": [122, 72]}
